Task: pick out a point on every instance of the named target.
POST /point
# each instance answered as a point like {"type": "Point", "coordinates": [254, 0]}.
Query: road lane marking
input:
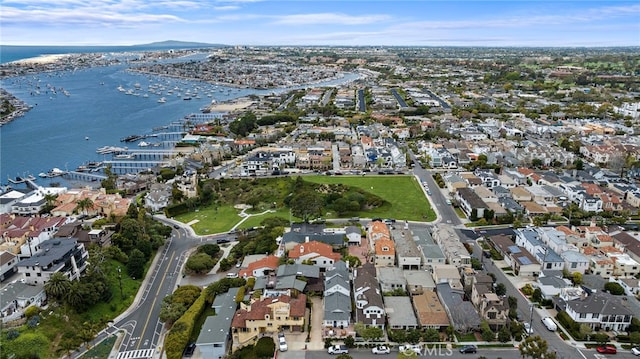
{"type": "Point", "coordinates": [144, 329]}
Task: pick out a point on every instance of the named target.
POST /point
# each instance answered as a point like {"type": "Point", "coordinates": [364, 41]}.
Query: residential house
{"type": "Point", "coordinates": [529, 238]}
{"type": "Point", "coordinates": [260, 267]}
{"type": "Point", "coordinates": [449, 274]}
{"type": "Point", "coordinates": [8, 262]}
{"type": "Point", "coordinates": [400, 313]}
{"type": "Point", "coordinates": [520, 194]}
{"type": "Point", "coordinates": [391, 279]}
{"type": "Point", "coordinates": [214, 335]}
{"type": "Point", "coordinates": [158, 197]}
{"type": "Point", "coordinates": [489, 305]}
{"type": "Point", "coordinates": [575, 261]}
{"type": "Point", "coordinates": [267, 316]}
{"type": "Point", "coordinates": [418, 281]}
{"type": "Point", "coordinates": [354, 235]}
{"type": "Point", "coordinates": [318, 253]}
{"type": "Point", "coordinates": [367, 297]}
{"type": "Point", "coordinates": [431, 252]}
{"type": "Point", "coordinates": [451, 245]}
{"type": "Point", "coordinates": [15, 297]}
{"type": "Point", "coordinates": [461, 313]}
{"type": "Point", "coordinates": [407, 253]}
{"type": "Point", "coordinates": [337, 297]}
{"type": "Point", "coordinates": [377, 230]}
{"type": "Point", "coordinates": [470, 203]}
{"type": "Point", "coordinates": [429, 310]}
{"type": "Point", "coordinates": [66, 256]}
{"type": "Point", "coordinates": [601, 311]}
{"type": "Point", "coordinates": [385, 253]}
{"type": "Point", "coordinates": [551, 283]}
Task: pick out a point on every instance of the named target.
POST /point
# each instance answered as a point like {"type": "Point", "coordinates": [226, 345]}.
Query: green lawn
{"type": "Point", "coordinates": [406, 198]}
{"type": "Point", "coordinates": [403, 194]}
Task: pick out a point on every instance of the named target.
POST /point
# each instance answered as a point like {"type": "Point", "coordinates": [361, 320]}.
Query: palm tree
{"type": "Point", "coordinates": [74, 296]}
{"type": "Point", "coordinates": [50, 198]}
{"type": "Point", "coordinates": [57, 286]}
{"type": "Point", "coordinates": [84, 204]}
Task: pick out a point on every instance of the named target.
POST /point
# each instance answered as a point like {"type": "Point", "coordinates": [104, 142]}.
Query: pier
{"type": "Point", "coordinates": [121, 167]}
{"type": "Point", "coordinates": [83, 176]}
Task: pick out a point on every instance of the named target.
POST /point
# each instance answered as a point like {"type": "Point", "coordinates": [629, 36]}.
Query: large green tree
{"type": "Point", "coordinates": [307, 205]}
{"type": "Point", "coordinates": [535, 347]}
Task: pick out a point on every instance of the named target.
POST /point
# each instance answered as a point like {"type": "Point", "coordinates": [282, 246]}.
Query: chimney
{"type": "Point", "coordinates": [306, 239]}
{"type": "Point", "coordinates": [302, 249]}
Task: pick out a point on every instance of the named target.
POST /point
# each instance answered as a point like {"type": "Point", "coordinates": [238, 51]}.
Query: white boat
{"type": "Point", "coordinates": [121, 89]}
{"type": "Point", "coordinates": [143, 144]}
{"type": "Point", "coordinates": [162, 100]}
{"type": "Point", "coordinates": [124, 156]}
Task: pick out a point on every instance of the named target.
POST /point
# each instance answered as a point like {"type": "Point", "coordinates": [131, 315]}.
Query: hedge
{"type": "Point", "coordinates": [240, 295]}
{"type": "Point", "coordinates": [178, 337]}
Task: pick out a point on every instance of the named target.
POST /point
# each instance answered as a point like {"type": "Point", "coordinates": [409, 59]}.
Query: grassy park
{"type": "Point", "coordinates": [403, 196]}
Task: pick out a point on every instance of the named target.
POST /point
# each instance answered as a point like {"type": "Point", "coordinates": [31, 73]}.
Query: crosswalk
{"type": "Point", "coordinates": [136, 354]}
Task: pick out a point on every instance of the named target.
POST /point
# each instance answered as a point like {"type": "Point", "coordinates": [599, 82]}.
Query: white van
{"type": "Point", "coordinates": [550, 324]}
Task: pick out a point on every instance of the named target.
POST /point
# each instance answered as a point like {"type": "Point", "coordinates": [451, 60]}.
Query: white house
{"type": "Point", "coordinates": [368, 298]}
{"type": "Point", "coordinates": [600, 310]}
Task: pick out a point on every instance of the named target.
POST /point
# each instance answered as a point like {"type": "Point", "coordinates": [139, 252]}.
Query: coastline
{"type": "Point", "coordinates": [20, 107]}
{"type": "Point", "coordinates": [41, 60]}
{"type": "Point", "coordinates": [230, 106]}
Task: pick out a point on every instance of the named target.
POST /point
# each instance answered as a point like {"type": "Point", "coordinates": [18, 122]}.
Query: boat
{"type": "Point", "coordinates": [82, 168]}
{"type": "Point", "coordinates": [121, 89]}
{"type": "Point", "coordinates": [131, 138]}
{"type": "Point", "coordinates": [94, 164]}
{"type": "Point", "coordinates": [143, 144]}
{"type": "Point", "coordinates": [124, 156]}
{"type": "Point", "coordinates": [86, 138]}
{"type": "Point", "coordinates": [187, 98]}
{"type": "Point", "coordinates": [162, 100]}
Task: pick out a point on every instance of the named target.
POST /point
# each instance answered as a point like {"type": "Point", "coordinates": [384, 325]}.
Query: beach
{"type": "Point", "coordinates": [231, 106]}
{"type": "Point", "coordinates": [41, 60]}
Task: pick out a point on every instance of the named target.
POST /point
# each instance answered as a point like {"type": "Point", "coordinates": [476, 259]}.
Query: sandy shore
{"type": "Point", "coordinates": [43, 59]}
{"type": "Point", "coordinates": [231, 106]}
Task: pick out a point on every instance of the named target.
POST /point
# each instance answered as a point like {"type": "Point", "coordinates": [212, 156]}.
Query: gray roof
{"type": "Point", "coordinates": [425, 243]}
{"type": "Point", "coordinates": [18, 290]}
{"type": "Point", "coordinates": [389, 275]}
{"type": "Point", "coordinates": [461, 313]}
{"type": "Point", "coordinates": [51, 251]}
{"type": "Point", "coordinates": [602, 303]}
{"type": "Point", "coordinates": [471, 197]}
{"type": "Point", "coordinates": [290, 282]}
{"type": "Point", "coordinates": [216, 327]}
{"type": "Point", "coordinates": [337, 306]}
{"type": "Point", "coordinates": [419, 277]}
{"type": "Point", "coordinates": [554, 282]}
{"type": "Point", "coordinates": [305, 270]}
{"type": "Point", "coordinates": [339, 268]}
{"type": "Point", "coordinates": [337, 280]}
{"type": "Point", "coordinates": [405, 245]}
{"type": "Point", "coordinates": [400, 311]}
{"type": "Point", "coordinates": [328, 238]}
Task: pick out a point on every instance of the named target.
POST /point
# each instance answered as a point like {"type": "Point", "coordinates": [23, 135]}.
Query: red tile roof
{"type": "Point", "coordinates": [266, 262]}
{"type": "Point", "coordinates": [260, 308]}
{"type": "Point", "coordinates": [311, 247]}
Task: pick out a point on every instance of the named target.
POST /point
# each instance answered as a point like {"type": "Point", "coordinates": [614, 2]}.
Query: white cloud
{"type": "Point", "coordinates": [226, 8]}
{"type": "Point", "coordinates": [330, 18]}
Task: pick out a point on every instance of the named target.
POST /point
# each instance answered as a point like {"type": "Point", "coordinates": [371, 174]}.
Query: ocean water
{"type": "Point", "coordinates": [65, 131]}
{"type": "Point", "coordinates": [9, 53]}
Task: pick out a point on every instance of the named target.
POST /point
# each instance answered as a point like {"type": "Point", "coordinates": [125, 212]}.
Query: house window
{"type": "Point", "coordinates": [491, 315]}
{"type": "Point", "coordinates": [594, 315]}
{"type": "Point", "coordinates": [583, 315]}
{"type": "Point", "coordinates": [573, 265]}
{"type": "Point", "coordinates": [27, 274]}
{"type": "Point", "coordinates": [269, 324]}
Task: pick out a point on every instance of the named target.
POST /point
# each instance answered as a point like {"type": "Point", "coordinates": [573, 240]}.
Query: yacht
{"type": "Point", "coordinates": [162, 100]}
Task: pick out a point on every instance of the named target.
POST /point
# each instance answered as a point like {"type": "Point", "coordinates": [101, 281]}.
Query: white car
{"type": "Point", "coordinates": [410, 347]}
{"type": "Point", "coordinates": [338, 349]}
{"type": "Point", "coordinates": [381, 349]}
{"type": "Point", "coordinates": [635, 351]}
{"type": "Point", "coordinates": [282, 343]}
{"type": "Point", "coordinates": [527, 328]}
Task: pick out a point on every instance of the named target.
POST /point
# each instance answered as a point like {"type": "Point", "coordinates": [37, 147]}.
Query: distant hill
{"type": "Point", "coordinates": [179, 44]}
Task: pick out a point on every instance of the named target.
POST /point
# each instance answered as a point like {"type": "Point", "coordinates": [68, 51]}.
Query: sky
{"type": "Point", "coordinates": [576, 23]}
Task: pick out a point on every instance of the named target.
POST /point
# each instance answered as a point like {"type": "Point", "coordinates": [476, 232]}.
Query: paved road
{"type": "Point", "coordinates": [401, 102]}
{"type": "Point", "coordinates": [140, 322]}
{"type": "Point", "coordinates": [361, 102]}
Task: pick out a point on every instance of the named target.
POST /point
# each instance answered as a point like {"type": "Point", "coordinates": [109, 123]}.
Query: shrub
{"type": "Point", "coordinates": [349, 341]}
{"type": "Point", "coordinates": [328, 342]}
{"type": "Point", "coordinates": [240, 295]}
{"type": "Point", "coordinates": [265, 347]}
{"type": "Point", "coordinates": [31, 311]}
{"type": "Point", "coordinates": [570, 325]}
{"type": "Point", "coordinates": [178, 337]}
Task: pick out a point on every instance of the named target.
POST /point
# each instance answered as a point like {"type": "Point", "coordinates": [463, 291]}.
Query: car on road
{"type": "Point", "coordinates": [550, 324]}
{"type": "Point", "coordinates": [223, 240]}
{"type": "Point", "coordinates": [410, 347]}
{"type": "Point", "coordinates": [528, 330]}
{"type": "Point", "coordinates": [468, 349]}
{"type": "Point", "coordinates": [381, 349]}
{"type": "Point", "coordinates": [232, 275]}
{"type": "Point", "coordinates": [188, 351]}
{"type": "Point", "coordinates": [338, 349]}
{"type": "Point", "coordinates": [635, 351]}
{"type": "Point", "coordinates": [606, 349]}
{"type": "Point", "coordinates": [239, 264]}
{"type": "Point", "coordinates": [176, 226]}
{"type": "Point", "coordinates": [448, 201]}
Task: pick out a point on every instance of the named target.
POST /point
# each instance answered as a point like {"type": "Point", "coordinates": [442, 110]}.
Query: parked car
{"type": "Point", "coordinates": [410, 347]}
{"type": "Point", "coordinates": [176, 226]}
{"type": "Point", "coordinates": [468, 349]}
{"type": "Point", "coordinates": [606, 349]}
{"type": "Point", "coordinates": [381, 349]}
{"type": "Point", "coordinates": [282, 344]}
{"type": "Point", "coordinates": [188, 351]}
{"type": "Point", "coordinates": [550, 324]}
{"type": "Point", "coordinates": [635, 351]}
{"type": "Point", "coordinates": [232, 275]}
{"type": "Point", "coordinates": [338, 349]}
{"type": "Point", "coordinates": [223, 240]}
